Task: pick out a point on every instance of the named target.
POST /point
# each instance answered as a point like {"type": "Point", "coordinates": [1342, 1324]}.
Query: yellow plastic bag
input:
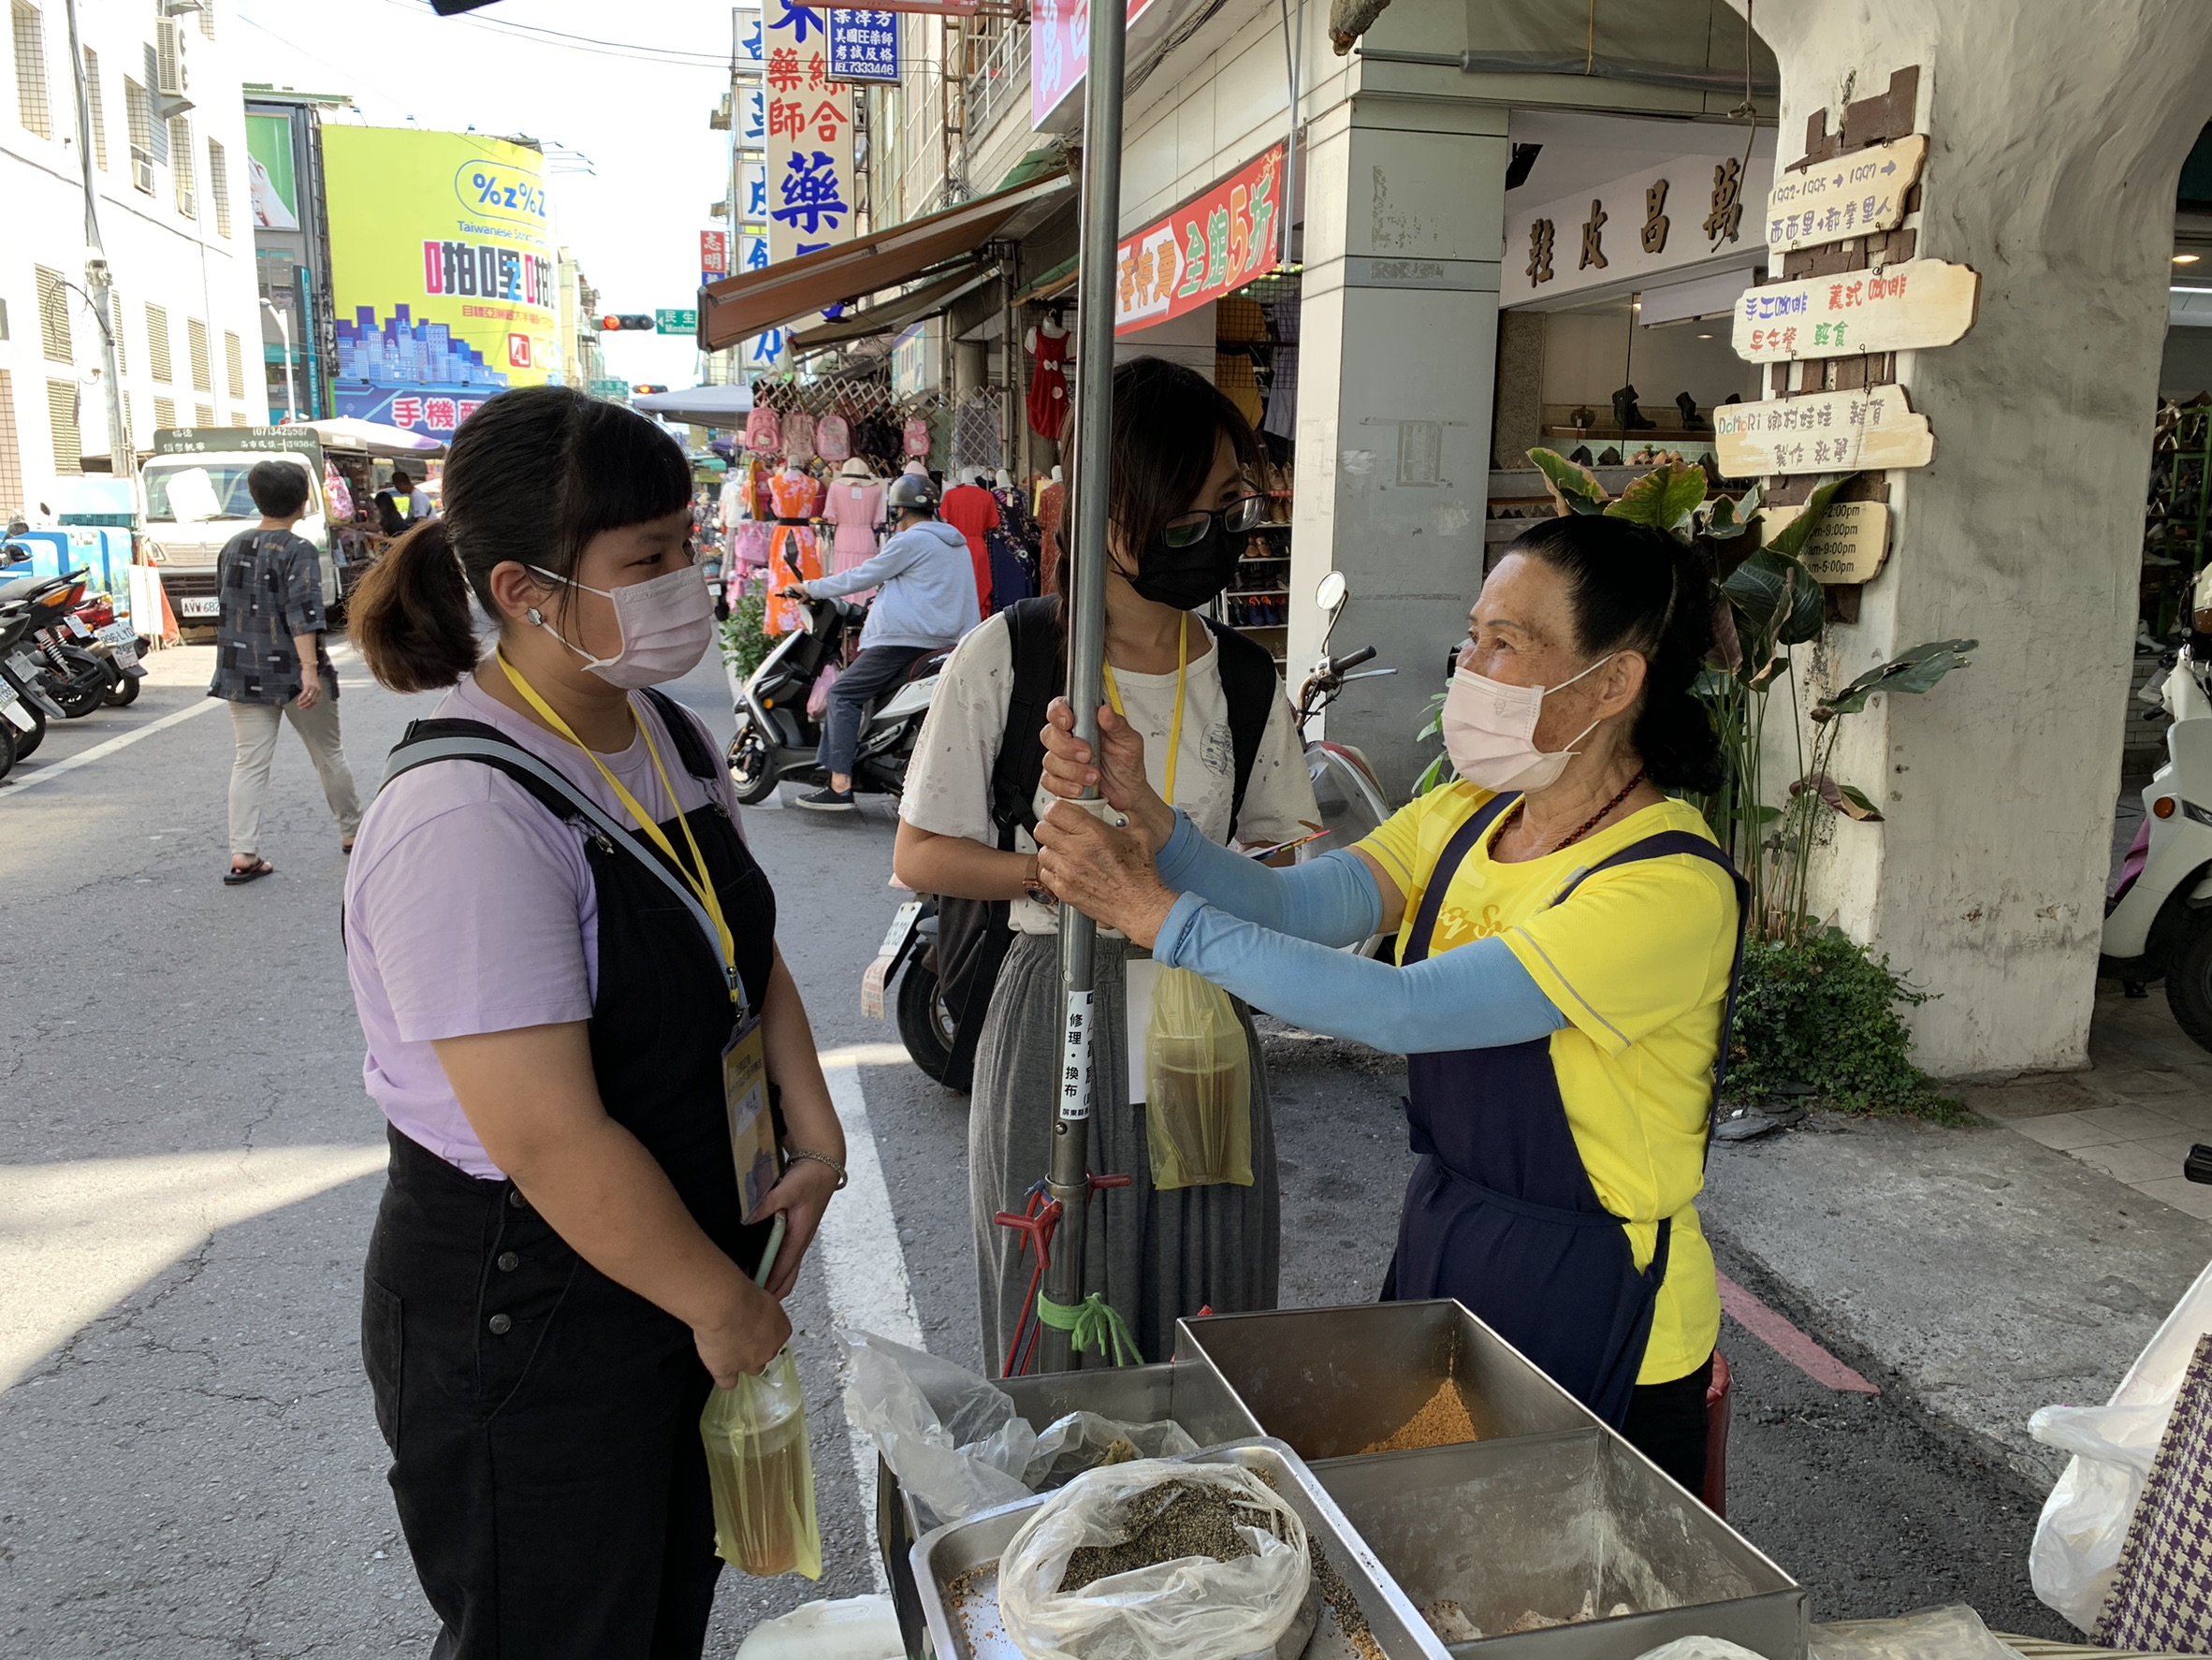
{"type": "Point", "coordinates": [762, 1474]}
{"type": "Point", "coordinates": [1198, 1084]}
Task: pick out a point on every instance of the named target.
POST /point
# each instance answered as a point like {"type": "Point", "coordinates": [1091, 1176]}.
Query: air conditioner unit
{"type": "Point", "coordinates": [719, 121]}
{"type": "Point", "coordinates": [142, 174]}
{"type": "Point", "coordinates": [719, 209]}
{"type": "Point", "coordinates": [171, 81]}
{"type": "Point", "coordinates": [188, 204]}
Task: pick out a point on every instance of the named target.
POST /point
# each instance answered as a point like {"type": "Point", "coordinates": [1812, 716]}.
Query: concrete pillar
{"type": "Point", "coordinates": [2053, 151]}
{"type": "Point", "coordinates": [1405, 214]}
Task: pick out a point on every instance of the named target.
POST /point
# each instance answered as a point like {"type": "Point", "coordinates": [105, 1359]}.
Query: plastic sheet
{"type": "Point", "coordinates": [1190, 1608]}
{"type": "Point", "coordinates": [1952, 1633]}
{"type": "Point", "coordinates": [1083, 1440]}
{"type": "Point", "coordinates": [1693, 1648]}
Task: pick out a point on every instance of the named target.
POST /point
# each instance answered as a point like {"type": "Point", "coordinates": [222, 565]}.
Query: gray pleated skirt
{"type": "Point", "coordinates": [1155, 1257]}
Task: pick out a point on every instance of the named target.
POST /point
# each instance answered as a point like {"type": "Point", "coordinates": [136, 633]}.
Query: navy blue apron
{"type": "Point", "coordinates": [1500, 1213]}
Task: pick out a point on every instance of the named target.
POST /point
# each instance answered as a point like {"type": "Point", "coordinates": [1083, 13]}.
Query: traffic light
{"type": "Point", "coordinates": [643, 390]}
{"type": "Point", "coordinates": [616, 322]}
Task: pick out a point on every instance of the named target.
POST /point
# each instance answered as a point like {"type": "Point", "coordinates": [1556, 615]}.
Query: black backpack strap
{"type": "Point", "coordinates": [1697, 847]}
{"type": "Point", "coordinates": [699, 759]}
{"type": "Point", "coordinates": [1248, 685]}
{"type": "Point", "coordinates": [1033, 629]}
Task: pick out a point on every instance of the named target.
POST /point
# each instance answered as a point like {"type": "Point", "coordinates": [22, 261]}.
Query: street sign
{"type": "Point", "coordinates": [1873, 429]}
{"type": "Point", "coordinates": [1849, 545]}
{"type": "Point", "coordinates": [607, 388]}
{"type": "Point", "coordinates": [676, 322]}
{"type": "Point", "coordinates": [1848, 196]}
{"type": "Point", "coordinates": [864, 46]}
{"type": "Point", "coordinates": [1904, 308]}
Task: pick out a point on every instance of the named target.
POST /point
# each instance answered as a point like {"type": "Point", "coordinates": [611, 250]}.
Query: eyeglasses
{"type": "Point", "coordinates": [1238, 519]}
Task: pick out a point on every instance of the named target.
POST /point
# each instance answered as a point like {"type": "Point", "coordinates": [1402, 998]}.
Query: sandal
{"type": "Point", "coordinates": [237, 876]}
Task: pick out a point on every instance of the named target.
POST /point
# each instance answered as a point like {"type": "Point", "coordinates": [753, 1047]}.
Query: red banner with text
{"type": "Point", "coordinates": [1216, 241]}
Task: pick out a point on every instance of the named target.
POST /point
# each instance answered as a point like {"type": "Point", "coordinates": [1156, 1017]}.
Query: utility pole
{"type": "Point", "coordinates": [123, 459]}
{"type": "Point", "coordinates": [291, 376]}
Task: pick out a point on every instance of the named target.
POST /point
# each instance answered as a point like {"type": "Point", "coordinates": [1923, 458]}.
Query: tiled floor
{"type": "Point", "coordinates": [2145, 1098]}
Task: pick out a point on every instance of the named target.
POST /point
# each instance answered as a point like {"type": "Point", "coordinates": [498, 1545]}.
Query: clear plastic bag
{"type": "Point", "coordinates": [951, 1437]}
{"type": "Point", "coordinates": [1084, 1441]}
{"type": "Point", "coordinates": [762, 1474]}
{"type": "Point", "coordinates": [1697, 1647]}
{"type": "Point", "coordinates": [1193, 1608]}
{"type": "Point", "coordinates": [1952, 1633]}
{"type": "Point", "coordinates": [1198, 1084]}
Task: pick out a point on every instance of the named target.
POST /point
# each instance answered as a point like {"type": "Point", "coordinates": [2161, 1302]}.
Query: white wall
{"type": "Point", "coordinates": [157, 256]}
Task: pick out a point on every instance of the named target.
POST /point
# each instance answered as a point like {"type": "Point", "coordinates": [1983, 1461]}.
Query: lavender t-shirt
{"type": "Point", "coordinates": [470, 908]}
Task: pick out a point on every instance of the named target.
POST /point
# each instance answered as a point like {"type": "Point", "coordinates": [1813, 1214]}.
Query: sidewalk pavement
{"type": "Point", "coordinates": [1985, 1271]}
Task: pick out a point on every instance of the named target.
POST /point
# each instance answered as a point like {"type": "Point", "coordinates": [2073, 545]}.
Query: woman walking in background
{"type": "Point", "coordinates": [270, 665]}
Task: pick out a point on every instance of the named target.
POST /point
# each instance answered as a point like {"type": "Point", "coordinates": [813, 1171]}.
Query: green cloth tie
{"type": "Point", "coordinates": [1091, 1326]}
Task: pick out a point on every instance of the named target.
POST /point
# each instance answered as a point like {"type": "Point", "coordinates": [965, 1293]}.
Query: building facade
{"type": "Point", "coordinates": [171, 175]}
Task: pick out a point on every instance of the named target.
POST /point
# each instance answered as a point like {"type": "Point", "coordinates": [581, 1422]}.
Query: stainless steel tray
{"type": "Point", "coordinates": [1536, 1524]}
{"type": "Point", "coordinates": [955, 1570]}
{"type": "Point", "coordinates": [1331, 1381]}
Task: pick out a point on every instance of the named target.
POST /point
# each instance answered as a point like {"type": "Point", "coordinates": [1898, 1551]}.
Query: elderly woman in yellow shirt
{"type": "Point", "coordinates": [1569, 938]}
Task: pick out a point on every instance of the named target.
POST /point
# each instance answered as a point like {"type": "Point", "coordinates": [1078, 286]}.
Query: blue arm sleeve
{"type": "Point", "coordinates": [1331, 899]}
{"type": "Point", "coordinates": [1477, 996]}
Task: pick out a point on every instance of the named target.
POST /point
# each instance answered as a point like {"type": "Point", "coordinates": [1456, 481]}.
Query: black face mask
{"type": "Point", "coordinates": [1187, 577]}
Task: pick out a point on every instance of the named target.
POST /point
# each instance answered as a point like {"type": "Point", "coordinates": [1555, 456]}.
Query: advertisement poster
{"type": "Point", "coordinates": [1218, 241]}
{"type": "Point", "coordinates": [442, 273]}
{"type": "Point", "coordinates": [1059, 46]}
{"type": "Point", "coordinates": [864, 46]}
{"type": "Point", "coordinates": [273, 185]}
{"type": "Point", "coordinates": [809, 172]}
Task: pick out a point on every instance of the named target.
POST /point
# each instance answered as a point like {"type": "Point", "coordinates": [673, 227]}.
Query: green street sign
{"type": "Point", "coordinates": [676, 322]}
{"type": "Point", "coordinates": [607, 388]}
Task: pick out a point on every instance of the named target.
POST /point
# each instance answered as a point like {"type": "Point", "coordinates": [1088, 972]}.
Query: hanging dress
{"type": "Point", "coordinates": [1048, 381]}
{"type": "Point", "coordinates": [1052, 507]}
{"type": "Point", "coordinates": [797, 499]}
{"type": "Point", "coordinates": [856, 509]}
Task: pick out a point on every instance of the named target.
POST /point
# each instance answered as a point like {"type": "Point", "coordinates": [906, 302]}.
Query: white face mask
{"type": "Point", "coordinates": [665, 625]}
{"type": "Point", "coordinates": [1490, 732]}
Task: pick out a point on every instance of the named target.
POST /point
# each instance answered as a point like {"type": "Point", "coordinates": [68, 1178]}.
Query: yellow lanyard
{"type": "Point", "coordinates": [1175, 726]}
{"type": "Point", "coordinates": [698, 882]}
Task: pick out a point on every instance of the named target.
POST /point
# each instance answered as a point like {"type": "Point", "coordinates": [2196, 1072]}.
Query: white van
{"type": "Point", "coordinates": [192, 498]}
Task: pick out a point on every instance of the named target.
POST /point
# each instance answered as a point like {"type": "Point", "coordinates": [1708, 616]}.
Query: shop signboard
{"type": "Point", "coordinates": [768, 352]}
{"type": "Point", "coordinates": [864, 46]}
{"type": "Point", "coordinates": [810, 166]}
{"type": "Point", "coordinates": [752, 200]}
{"type": "Point", "coordinates": [442, 273]}
{"type": "Point", "coordinates": [1848, 196]}
{"type": "Point", "coordinates": [1903, 308]}
{"type": "Point", "coordinates": [1214, 242]}
{"type": "Point", "coordinates": [1059, 46]}
{"type": "Point", "coordinates": [1873, 429]}
{"type": "Point", "coordinates": [714, 253]}
{"type": "Point", "coordinates": [748, 41]}
{"type": "Point", "coordinates": [752, 118]}
{"type": "Point", "coordinates": [1664, 224]}
{"type": "Point", "coordinates": [752, 249]}
{"type": "Point", "coordinates": [1849, 545]}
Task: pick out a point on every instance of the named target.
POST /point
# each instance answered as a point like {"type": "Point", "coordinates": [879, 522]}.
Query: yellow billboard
{"type": "Point", "coordinates": [442, 273]}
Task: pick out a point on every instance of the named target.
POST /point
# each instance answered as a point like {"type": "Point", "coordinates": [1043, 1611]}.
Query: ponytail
{"type": "Point", "coordinates": [411, 619]}
{"type": "Point", "coordinates": [1634, 588]}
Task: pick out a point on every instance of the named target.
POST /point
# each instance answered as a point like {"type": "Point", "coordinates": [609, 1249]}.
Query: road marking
{"type": "Point", "coordinates": [18, 782]}
{"type": "Point", "coordinates": [860, 1257]}
{"type": "Point", "coordinates": [1786, 1340]}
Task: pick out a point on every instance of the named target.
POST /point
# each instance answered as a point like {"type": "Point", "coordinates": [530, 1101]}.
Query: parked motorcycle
{"type": "Point", "coordinates": [24, 701]}
{"type": "Point", "coordinates": [116, 641]}
{"type": "Point", "coordinates": [77, 677]}
{"type": "Point", "coordinates": [2158, 922]}
{"type": "Point", "coordinates": [777, 738]}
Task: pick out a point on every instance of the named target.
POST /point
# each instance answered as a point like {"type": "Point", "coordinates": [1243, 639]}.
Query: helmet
{"type": "Point", "coordinates": [910, 492]}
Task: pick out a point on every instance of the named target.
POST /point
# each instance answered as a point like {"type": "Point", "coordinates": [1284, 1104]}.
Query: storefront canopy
{"type": "Point", "coordinates": [702, 406]}
{"type": "Point", "coordinates": [893, 314]}
{"type": "Point", "coordinates": [739, 307]}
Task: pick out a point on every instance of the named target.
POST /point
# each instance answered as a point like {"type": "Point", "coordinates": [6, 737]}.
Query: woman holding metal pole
{"type": "Point", "coordinates": [1224, 748]}
{"type": "Point", "coordinates": [1569, 936]}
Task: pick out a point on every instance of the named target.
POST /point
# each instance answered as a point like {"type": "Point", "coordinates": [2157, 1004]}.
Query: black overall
{"type": "Point", "coordinates": [1500, 1213]}
{"type": "Point", "coordinates": [544, 1421]}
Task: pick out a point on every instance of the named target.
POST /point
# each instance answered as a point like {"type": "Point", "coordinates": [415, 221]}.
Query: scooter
{"type": "Point", "coordinates": [777, 738]}
{"type": "Point", "coordinates": [2158, 922]}
{"type": "Point", "coordinates": [24, 703]}
{"type": "Point", "coordinates": [77, 679]}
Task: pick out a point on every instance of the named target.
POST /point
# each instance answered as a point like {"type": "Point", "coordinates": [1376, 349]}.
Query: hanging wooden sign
{"type": "Point", "coordinates": [1851, 541]}
{"type": "Point", "coordinates": [1873, 429]}
{"type": "Point", "coordinates": [1863, 190]}
{"type": "Point", "coordinates": [1924, 302]}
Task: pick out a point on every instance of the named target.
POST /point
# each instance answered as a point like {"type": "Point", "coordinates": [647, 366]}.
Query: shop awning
{"type": "Point", "coordinates": [897, 314]}
{"type": "Point", "coordinates": [699, 406]}
{"type": "Point", "coordinates": [739, 307]}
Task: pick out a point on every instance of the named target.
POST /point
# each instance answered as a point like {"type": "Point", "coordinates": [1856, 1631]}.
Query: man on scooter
{"type": "Point", "coordinates": [927, 601]}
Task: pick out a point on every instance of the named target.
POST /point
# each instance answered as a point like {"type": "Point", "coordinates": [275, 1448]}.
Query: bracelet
{"type": "Point", "coordinates": [793, 1156]}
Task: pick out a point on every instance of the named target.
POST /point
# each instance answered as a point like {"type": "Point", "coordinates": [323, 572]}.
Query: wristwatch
{"type": "Point", "coordinates": [1033, 885]}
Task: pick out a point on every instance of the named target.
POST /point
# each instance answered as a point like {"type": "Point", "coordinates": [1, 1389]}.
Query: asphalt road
{"type": "Point", "coordinates": [188, 1173]}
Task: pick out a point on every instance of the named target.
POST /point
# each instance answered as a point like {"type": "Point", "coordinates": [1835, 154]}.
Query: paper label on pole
{"type": "Point", "coordinates": [1075, 1058]}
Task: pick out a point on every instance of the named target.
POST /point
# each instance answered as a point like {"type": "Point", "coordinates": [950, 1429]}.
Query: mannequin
{"type": "Point", "coordinates": [797, 499]}
{"type": "Point", "coordinates": [855, 507]}
{"type": "Point", "coordinates": [1052, 508]}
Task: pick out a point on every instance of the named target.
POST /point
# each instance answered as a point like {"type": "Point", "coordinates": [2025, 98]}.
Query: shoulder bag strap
{"type": "Point", "coordinates": [1248, 687]}
{"type": "Point", "coordinates": [698, 759]}
{"type": "Point", "coordinates": [1033, 634]}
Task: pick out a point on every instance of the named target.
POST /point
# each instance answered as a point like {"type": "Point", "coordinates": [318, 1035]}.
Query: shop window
{"type": "Point", "coordinates": [181, 172]}
{"type": "Point", "coordinates": [30, 69]}
{"type": "Point", "coordinates": [234, 364]}
{"type": "Point", "coordinates": [61, 414]}
{"type": "Point", "coordinates": [54, 316]}
{"type": "Point", "coordinates": [137, 111]}
{"type": "Point", "coordinates": [99, 116]}
{"type": "Point", "coordinates": [157, 342]}
{"type": "Point", "coordinates": [11, 453]}
{"type": "Point", "coordinates": [219, 186]}
{"type": "Point", "coordinates": [195, 336]}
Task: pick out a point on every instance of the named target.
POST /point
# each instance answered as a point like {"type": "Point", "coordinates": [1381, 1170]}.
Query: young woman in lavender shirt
{"type": "Point", "coordinates": [563, 1262]}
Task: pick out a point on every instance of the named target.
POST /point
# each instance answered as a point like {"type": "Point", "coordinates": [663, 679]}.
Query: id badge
{"type": "Point", "coordinates": [753, 1127]}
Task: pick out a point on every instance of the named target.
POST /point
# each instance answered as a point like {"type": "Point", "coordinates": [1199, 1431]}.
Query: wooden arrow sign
{"type": "Point", "coordinates": [1871, 429]}
{"type": "Point", "coordinates": [1848, 196]}
{"type": "Point", "coordinates": [1925, 302]}
{"type": "Point", "coordinates": [1849, 545]}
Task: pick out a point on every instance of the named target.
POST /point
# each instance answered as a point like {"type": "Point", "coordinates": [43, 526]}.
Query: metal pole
{"type": "Point", "coordinates": [122, 460]}
{"type": "Point", "coordinates": [1069, 1179]}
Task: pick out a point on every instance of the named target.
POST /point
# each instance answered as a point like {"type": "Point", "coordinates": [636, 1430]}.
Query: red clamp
{"type": "Point", "coordinates": [1035, 1223]}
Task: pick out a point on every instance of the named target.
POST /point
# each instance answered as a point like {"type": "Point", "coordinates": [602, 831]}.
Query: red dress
{"type": "Point", "coordinates": [968, 509]}
{"type": "Point", "coordinates": [1048, 384]}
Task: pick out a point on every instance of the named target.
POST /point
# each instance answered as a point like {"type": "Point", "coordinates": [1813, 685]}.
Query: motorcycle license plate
{"type": "Point", "coordinates": [878, 971]}
{"type": "Point", "coordinates": [12, 710]}
{"type": "Point", "coordinates": [118, 633]}
{"type": "Point", "coordinates": [26, 669]}
{"type": "Point", "coordinates": [77, 627]}
{"type": "Point", "coordinates": [198, 605]}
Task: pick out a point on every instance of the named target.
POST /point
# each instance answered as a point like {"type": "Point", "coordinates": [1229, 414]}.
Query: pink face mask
{"type": "Point", "coordinates": [1490, 732]}
{"type": "Point", "coordinates": [665, 625]}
